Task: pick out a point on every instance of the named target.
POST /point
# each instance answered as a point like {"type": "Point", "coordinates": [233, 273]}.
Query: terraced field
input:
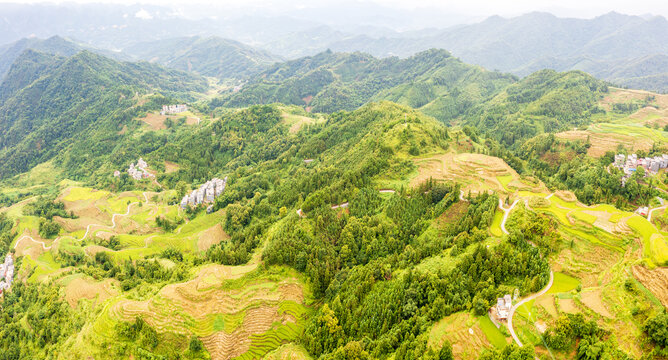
{"type": "Point", "coordinates": [468, 335]}
{"type": "Point", "coordinates": [476, 172]}
{"type": "Point", "coordinates": [237, 312]}
{"type": "Point", "coordinates": [602, 245]}
{"type": "Point", "coordinates": [637, 131]}
{"type": "Point", "coordinates": [130, 216]}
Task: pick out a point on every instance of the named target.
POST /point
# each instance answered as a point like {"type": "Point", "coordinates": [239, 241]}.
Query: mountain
{"type": "Point", "coordinates": [374, 233]}
{"type": "Point", "coordinates": [51, 102]}
{"type": "Point", "coordinates": [509, 43]}
{"type": "Point", "coordinates": [53, 45]}
{"type": "Point", "coordinates": [305, 43]}
{"type": "Point", "coordinates": [28, 67]}
{"type": "Point", "coordinates": [534, 41]}
{"type": "Point", "coordinates": [211, 56]}
{"type": "Point", "coordinates": [432, 81]}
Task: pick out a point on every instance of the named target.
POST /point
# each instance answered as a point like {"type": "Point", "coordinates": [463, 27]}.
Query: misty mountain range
{"type": "Point", "coordinates": [625, 50]}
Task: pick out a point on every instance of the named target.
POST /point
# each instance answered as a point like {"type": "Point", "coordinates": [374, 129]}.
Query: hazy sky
{"type": "Point", "coordinates": [571, 8]}
{"type": "Point", "coordinates": [579, 8]}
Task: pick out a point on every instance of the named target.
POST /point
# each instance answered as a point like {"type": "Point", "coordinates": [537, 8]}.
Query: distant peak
{"type": "Point", "coordinates": [539, 15]}
{"type": "Point", "coordinates": [613, 14]}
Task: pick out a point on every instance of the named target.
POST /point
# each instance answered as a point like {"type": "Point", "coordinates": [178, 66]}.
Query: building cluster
{"type": "Point", "coordinates": [137, 171]}
{"type": "Point", "coordinates": [173, 109]}
{"type": "Point", "coordinates": [206, 193]}
{"type": "Point", "coordinates": [630, 163]}
{"type": "Point", "coordinates": [6, 273]}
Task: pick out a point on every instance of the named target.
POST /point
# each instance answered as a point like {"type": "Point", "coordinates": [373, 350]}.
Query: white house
{"type": "Point", "coordinates": [503, 306]}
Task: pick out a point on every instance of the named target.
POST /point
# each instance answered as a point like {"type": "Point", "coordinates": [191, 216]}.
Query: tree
{"type": "Point", "coordinates": [657, 329]}
{"type": "Point", "coordinates": [446, 352]}
{"type": "Point", "coordinates": [181, 189]}
{"type": "Point", "coordinates": [48, 228]}
{"type": "Point", "coordinates": [195, 344]}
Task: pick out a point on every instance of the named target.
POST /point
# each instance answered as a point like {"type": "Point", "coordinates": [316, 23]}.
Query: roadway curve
{"type": "Point", "coordinates": [649, 213]}
{"type": "Point", "coordinates": [113, 225]}
{"type": "Point", "coordinates": [506, 213]}
{"type": "Point", "coordinates": [521, 302]}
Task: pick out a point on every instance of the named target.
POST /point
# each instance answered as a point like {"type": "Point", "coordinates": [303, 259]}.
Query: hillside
{"type": "Point", "coordinates": [391, 221]}
{"type": "Point", "coordinates": [211, 56]}
{"type": "Point", "coordinates": [54, 45]}
{"type": "Point", "coordinates": [433, 81]}
{"type": "Point", "coordinates": [364, 209]}
{"type": "Point", "coordinates": [28, 67]}
{"type": "Point", "coordinates": [84, 94]}
{"type": "Point", "coordinates": [543, 102]}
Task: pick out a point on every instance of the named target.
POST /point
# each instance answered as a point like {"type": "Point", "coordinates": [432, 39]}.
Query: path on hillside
{"type": "Point", "coordinates": [530, 297]}
{"type": "Point", "coordinates": [113, 225]}
{"type": "Point", "coordinates": [461, 195]}
{"type": "Point", "coordinates": [649, 213]}
{"type": "Point", "coordinates": [507, 212]}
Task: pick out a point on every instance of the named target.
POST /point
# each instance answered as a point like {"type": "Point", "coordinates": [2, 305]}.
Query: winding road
{"type": "Point", "coordinates": [522, 302]}
{"type": "Point", "coordinates": [649, 213]}
{"type": "Point", "coordinates": [113, 225]}
{"type": "Point", "coordinates": [530, 297]}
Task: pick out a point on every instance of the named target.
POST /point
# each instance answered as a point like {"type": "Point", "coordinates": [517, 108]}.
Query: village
{"type": "Point", "coordinates": [6, 273]}
{"type": "Point", "coordinates": [206, 193]}
{"type": "Point", "coordinates": [138, 171]}
{"type": "Point", "coordinates": [629, 164]}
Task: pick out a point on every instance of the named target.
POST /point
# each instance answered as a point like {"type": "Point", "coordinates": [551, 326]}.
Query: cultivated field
{"type": "Point", "coordinates": [297, 122]}
{"type": "Point", "coordinates": [476, 172]}
{"type": "Point", "coordinates": [235, 311]}
{"type": "Point", "coordinates": [634, 132]}
{"type": "Point", "coordinates": [468, 335]}
{"type": "Point", "coordinates": [155, 121]}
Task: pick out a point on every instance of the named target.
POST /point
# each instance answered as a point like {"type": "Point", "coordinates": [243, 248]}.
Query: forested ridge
{"type": "Point", "coordinates": [80, 98]}
{"type": "Point", "coordinates": [433, 80]}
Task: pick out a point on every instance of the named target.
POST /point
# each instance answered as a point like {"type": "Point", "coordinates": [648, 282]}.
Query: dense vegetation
{"type": "Point", "coordinates": [593, 343]}
{"type": "Point", "coordinates": [35, 322]}
{"type": "Point", "coordinates": [565, 165]}
{"type": "Point", "coordinates": [545, 101]}
{"type": "Point", "coordinates": [361, 252]}
{"type": "Point", "coordinates": [6, 234]}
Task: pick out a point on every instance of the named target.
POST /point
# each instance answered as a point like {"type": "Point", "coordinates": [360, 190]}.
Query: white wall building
{"type": "Point", "coordinates": [173, 109]}
{"type": "Point", "coordinates": [207, 193]}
